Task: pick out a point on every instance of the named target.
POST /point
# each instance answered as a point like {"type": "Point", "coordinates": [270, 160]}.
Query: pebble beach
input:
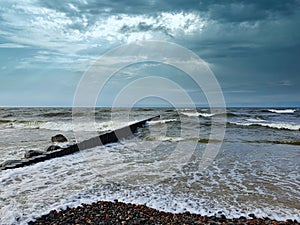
{"type": "Point", "coordinates": [105, 212]}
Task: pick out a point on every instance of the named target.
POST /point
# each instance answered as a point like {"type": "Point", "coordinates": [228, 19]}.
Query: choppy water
{"type": "Point", "coordinates": [256, 170]}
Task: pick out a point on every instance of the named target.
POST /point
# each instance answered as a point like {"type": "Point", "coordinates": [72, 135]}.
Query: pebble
{"type": "Point", "coordinates": [118, 213]}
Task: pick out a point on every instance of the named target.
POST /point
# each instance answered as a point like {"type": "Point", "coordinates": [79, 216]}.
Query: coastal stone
{"type": "Point", "coordinates": [59, 138]}
{"type": "Point", "coordinates": [136, 222]}
{"type": "Point", "coordinates": [53, 148]}
{"type": "Point", "coordinates": [32, 153]}
{"type": "Point", "coordinates": [243, 219]}
{"type": "Point", "coordinates": [252, 215]}
{"type": "Point", "coordinates": [222, 219]}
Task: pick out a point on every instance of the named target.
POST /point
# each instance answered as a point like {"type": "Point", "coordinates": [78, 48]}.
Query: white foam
{"type": "Point", "coordinates": [255, 120]}
{"type": "Point", "coordinates": [282, 110]}
{"type": "Point", "coordinates": [286, 126]}
{"type": "Point", "coordinates": [23, 124]}
{"type": "Point", "coordinates": [154, 122]}
{"type": "Point", "coordinates": [69, 126]}
{"type": "Point", "coordinates": [197, 114]}
{"type": "Point", "coordinates": [90, 175]}
{"type": "Point", "coordinates": [171, 139]}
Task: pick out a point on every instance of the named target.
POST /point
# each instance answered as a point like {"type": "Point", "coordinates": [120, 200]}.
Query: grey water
{"type": "Point", "coordinates": [256, 168]}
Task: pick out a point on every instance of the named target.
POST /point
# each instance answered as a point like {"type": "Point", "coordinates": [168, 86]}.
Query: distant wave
{"type": "Point", "coordinates": [7, 115]}
{"type": "Point", "coordinates": [196, 114]}
{"type": "Point", "coordinates": [5, 121]}
{"type": "Point", "coordinates": [287, 142]}
{"type": "Point", "coordinates": [35, 125]}
{"type": "Point", "coordinates": [279, 126]}
{"type": "Point", "coordinates": [70, 126]}
{"type": "Point", "coordinates": [255, 120]}
{"type": "Point", "coordinates": [57, 114]}
{"type": "Point", "coordinates": [276, 142]}
{"type": "Point", "coordinates": [201, 140]}
{"type": "Point", "coordinates": [153, 122]}
{"type": "Point", "coordinates": [206, 141]}
{"type": "Point", "coordinates": [179, 139]}
{"type": "Point", "coordinates": [65, 126]}
{"type": "Point", "coordinates": [17, 124]}
{"type": "Point", "coordinates": [170, 139]}
{"type": "Point", "coordinates": [227, 114]}
{"type": "Point", "coordinates": [169, 110]}
{"type": "Point", "coordinates": [282, 110]}
{"type": "Point", "coordinates": [207, 115]}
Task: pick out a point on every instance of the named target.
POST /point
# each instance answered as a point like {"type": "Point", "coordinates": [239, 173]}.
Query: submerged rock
{"type": "Point", "coordinates": [52, 148]}
{"type": "Point", "coordinates": [32, 153]}
{"type": "Point", "coordinates": [59, 138]}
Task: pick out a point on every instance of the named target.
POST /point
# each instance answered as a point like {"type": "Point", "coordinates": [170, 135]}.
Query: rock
{"type": "Point", "coordinates": [52, 148]}
{"type": "Point", "coordinates": [243, 219]}
{"type": "Point", "coordinates": [32, 153]}
{"type": "Point", "coordinates": [59, 138]}
{"type": "Point", "coordinates": [223, 219]}
{"type": "Point", "coordinates": [252, 216]}
{"type": "Point", "coordinates": [10, 162]}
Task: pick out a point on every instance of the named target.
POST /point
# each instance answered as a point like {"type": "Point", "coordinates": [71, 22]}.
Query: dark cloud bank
{"type": "Point", "coordinates": [253, 47]}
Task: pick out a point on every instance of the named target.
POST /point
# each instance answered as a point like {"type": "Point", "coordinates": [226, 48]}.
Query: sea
{"type": "Point", "coordinates": [174, 163]}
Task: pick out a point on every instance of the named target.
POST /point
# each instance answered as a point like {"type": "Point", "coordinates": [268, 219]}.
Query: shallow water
{"type": "Point", "coordinates": [256, 169]}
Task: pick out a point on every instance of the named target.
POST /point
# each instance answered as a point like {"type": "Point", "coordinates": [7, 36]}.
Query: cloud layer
{"type": "Point", "coordinates": [252, 46]}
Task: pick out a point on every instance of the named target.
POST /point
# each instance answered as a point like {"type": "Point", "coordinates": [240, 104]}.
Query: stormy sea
{"type": "Point", "coordinates": [255, 171]}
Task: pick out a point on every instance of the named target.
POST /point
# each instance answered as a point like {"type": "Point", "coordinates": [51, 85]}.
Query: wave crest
{"type": "Point", "coordinates": [279, 126]}
{"type": "Point", "coordinates": [281, 111]}
{"type": "Point", "coordinates": [207, 115]}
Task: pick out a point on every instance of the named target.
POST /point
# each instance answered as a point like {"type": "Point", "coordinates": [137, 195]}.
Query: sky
{"type": "Point", "coordinates": [251, 46]}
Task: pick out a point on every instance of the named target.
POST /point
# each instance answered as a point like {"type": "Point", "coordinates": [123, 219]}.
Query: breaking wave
{"type": "Point", "coordinates": [153, 122]}
{"type": "Point", "coordinates": [280, 126]}
{"type": "Point", "coordinates": [64, 126]}
{"type": "Point", "coordinates": [207, 115]}
{"type": "Point", "coordinates": [282, 110]}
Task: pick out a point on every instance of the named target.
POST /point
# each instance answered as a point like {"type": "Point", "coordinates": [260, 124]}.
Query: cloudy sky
{"type": "Point", "coordinates": [252, 47]}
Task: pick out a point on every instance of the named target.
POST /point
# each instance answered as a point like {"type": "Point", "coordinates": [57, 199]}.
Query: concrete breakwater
{"type": "Point", "coordinates": [103, 139]}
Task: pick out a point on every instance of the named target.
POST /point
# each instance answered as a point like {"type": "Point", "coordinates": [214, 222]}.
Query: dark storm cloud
{"type": "Point", "coordinates": [239, 25]}
{"type": "Point", "coordinates": [239, 11]}
{"type": "Point", "coordinates": [252, 46]}
{"type": "Point", "coordinates": [233, 18]}
{"type": "Point", "coordinates": [226, 10]}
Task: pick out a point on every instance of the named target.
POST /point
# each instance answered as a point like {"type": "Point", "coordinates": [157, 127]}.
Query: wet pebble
{"type": "Point", "coordinates": [118, 213]}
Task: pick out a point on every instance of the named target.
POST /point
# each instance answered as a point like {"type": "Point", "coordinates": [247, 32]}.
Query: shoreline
{"type": "Point", "coordinates": [107, 212]}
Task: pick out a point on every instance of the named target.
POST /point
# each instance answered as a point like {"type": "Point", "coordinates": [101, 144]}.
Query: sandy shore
{"type": "Point", "coordinates": [116, 212]}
